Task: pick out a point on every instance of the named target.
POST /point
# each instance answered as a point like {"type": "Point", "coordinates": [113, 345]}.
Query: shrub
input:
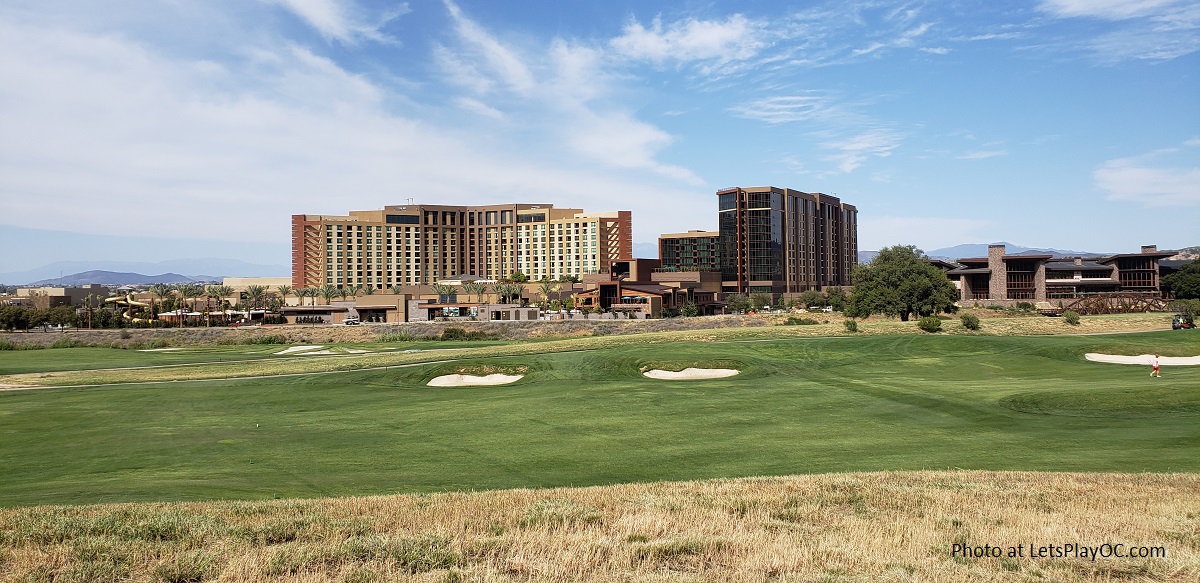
{"type": "Point", "coordinates": [65, 343]}
{"type": "Point", "coordinates": [930, 324]}
{"type": "Point", "coordinates": [851, 325]}
{"type": "Point", "coordinates": [126, 334]}
{"type": "Point", "coordinates": [453, 333]}
{"type": "Point", "coordinates": [970, 321]}
{"type": "Point", "coordinates": [403, 336]}
{"type": "Point", "coordinates": [795, 321]}
{"type": "Point", "coordinates": [1024, 306]}
{"type": "Point", "coordinates": [1071, 317]}
{"type": "Point", "coordinates": [269, 339]}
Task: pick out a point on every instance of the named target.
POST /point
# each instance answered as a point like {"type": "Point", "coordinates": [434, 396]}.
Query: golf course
{"type": "Point", "coordinates": [83, 426]}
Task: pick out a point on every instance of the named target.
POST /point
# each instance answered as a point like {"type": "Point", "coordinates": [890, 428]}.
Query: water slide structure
{"type": "Point", "coordinates": [129, 304]}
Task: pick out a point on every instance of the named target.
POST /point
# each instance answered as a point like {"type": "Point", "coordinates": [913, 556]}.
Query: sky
{"type": "Point", "coordinates": [1072, 124]}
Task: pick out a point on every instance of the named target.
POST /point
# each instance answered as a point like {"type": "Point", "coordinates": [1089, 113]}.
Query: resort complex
{"type": "Point", "coordinates": [422, 244]}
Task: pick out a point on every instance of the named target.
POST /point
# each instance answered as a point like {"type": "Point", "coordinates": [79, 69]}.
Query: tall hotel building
{"type": "Point", "coordinates": [779, 240]}
{"type": "Point", "coordinates": [422, 244]}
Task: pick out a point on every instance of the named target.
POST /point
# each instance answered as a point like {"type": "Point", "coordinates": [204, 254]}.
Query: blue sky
{"type": "Point", "coordinates": [1060, 123]}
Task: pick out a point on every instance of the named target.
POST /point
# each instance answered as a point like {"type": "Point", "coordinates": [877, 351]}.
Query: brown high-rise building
{"type": "Point", "coordinates": [778, 240]}
{"type": "Point", "coordinates": [422, 244]}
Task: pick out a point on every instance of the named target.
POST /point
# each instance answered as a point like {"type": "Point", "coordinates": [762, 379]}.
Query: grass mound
{"type": "Point", "coordinates": [1107, 402]}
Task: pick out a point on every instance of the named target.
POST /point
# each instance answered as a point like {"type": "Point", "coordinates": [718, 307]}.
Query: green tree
{"type": "Point", "coordinates": [812, 297]}
{"type": "Point", "coordinates": [900, 282]}
{"type": "Point", "coordinates": [158, 291]}
{"type": "Point", "coordinates": [397, 289]}
{"type": "Point", "coordinates": [836, 298]}
{"type": "Point", "coordinates": [738, 303]}
{"type": "Point", "coordinates": [1185, 283]}
{"type": "Point", "coordinates": [475, 288]}
{"type": "Point", "coordinates": [284, 292]}
{"type": "Point", "coordinates": [445, 293]}
{"type": "Point", "coordinates": [518, 277]}
{"type": "Point", "coordinates": [327, 292]}
{"type": "Point", "coordinates": [689, 310]}
{"type": "Point", "coordinates": [255, 294]}
{"type": "Point", "coordinates": [760, 300]}
{"type": "Point", "coordinates": [508, 292]}
{"type": "Point", "coordinates": [546, 288]}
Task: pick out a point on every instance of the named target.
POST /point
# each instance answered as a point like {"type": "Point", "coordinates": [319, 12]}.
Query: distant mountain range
{"type": "Point", "coordinates": [132, 273]}
{"type": "Point", "coordinates": [119, 278]}
{"type": "Point", "coordinates": [980, 250]}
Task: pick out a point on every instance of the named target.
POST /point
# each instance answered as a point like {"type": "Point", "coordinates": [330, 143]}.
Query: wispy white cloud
{"type": "Point", "coordinates": [851, 152]}
{"type": "Point", "coordinates": [344, 21]}
{"type": "Point", "coordinates": [981, 154]}
{"type": "Point", "coordinates": [1162, 178]}
{"type": "Point", "coordinates": [1108, 9]}
{"type": "Point", "coordinates": [807, 106]}
{"type": "Point", "coordinates": [733, 39]}
{"type": "Point", "coordinates": [1156, 30]}
{"type": "Point", "coordinates": [935, 50]}
{"type": "Point", "coordinates": [478, 107]}
{"type": "Point", "coordinates": [503, 62]}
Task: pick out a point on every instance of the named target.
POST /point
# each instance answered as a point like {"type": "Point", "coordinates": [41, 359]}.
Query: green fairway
{"type": "Point", "coordinates": [581, 418]}
{"type": "Point", "coordinates": [57, 359]}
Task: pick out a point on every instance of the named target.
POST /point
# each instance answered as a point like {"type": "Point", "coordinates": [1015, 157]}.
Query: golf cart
{"type": "Point", "coordinates": [1182, 322]}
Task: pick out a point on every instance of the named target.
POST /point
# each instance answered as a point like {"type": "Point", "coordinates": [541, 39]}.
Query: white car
{"type": "Point", "coordinates": [351, 321]}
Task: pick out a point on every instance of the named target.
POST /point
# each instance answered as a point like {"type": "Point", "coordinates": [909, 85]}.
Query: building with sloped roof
{"type": "Point", "coordinates": [1000, 277]}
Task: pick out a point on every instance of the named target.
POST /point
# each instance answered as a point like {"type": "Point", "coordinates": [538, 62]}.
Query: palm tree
{"type": "Point", "coordinates": [546, 288]}
{"type": "Point", "coordinates": [368, 290]}
{"type": "Point", "coordinates": [220, 292]}
{"type": "Point", "coordinates": [284, 292]}
{"type": "Point", "coordinates": [310, 292]}
{"type": "Point", "coordinates": [444, 292]}
{"type": "Point", "coordinates": [254, 297]}
{"type": "Point", "coordinates": [508, 291]}
{"type": "Point", "coordinates": [476, 289]}
{"type": "Point", "coordinates": [344, 292]}
{"type": "Point", "coordinates": [191, 291]}
{"type": "Point", "coordinates": [397, 289]}
{"type": "Point", "coordinates": [328, 291]}
{"type": "Point", "coordinates": [160, 291]}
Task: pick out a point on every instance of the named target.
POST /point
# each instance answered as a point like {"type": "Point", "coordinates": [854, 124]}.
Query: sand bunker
{"type": "Point", "coordinates": [299, 349]}
{"type": "Point", "coordinates": [1144, 359]}
{"type": "Point", "coordinates": [467, 380]}
{"type": "Point", "coordinates": [689, 374]}
{"type": "Point", "coordinates": [159, 349]}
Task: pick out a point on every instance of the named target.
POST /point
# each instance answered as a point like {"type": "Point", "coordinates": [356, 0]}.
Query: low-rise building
{"type": "Point", "coordinates": [1003, 278]}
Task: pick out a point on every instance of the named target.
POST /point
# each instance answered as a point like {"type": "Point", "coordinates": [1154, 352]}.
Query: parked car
{"type": "Point", "coordinates": [352, 321]}
{"type": "Point", "coordinates": [1182, 322]}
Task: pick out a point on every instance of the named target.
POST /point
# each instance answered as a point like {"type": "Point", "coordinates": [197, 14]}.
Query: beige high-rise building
{"type": "Point", "coordinates": [422, 244]}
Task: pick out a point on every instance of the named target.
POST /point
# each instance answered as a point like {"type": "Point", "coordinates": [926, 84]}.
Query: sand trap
{"type": "Point", "coordinates": [299, 349]}
{"type": "Point", "coordinates": [355, 351]}
{"type": "Point", "coordinates": [1144, 359]}
{"type": "Point", "coordinates": [467, 380]}
{"type": "Point", "coordinates": [159, 349]}
{"type": "Point", "coordinates": [689, 374]}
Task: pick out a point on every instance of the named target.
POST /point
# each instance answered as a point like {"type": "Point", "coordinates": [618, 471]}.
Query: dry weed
{"type": "Point", "coordinates": [876, 526]}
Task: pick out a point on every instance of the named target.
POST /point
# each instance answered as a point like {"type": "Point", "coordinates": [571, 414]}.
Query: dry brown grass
{"type": "Point", "coordinates": [836, 527]}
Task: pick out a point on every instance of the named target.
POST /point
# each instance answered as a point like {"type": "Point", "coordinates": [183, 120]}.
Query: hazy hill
{"type": "Point", "coordinates": [114, 278]}
{"type": "Point", "coordinates": [199, 269]}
